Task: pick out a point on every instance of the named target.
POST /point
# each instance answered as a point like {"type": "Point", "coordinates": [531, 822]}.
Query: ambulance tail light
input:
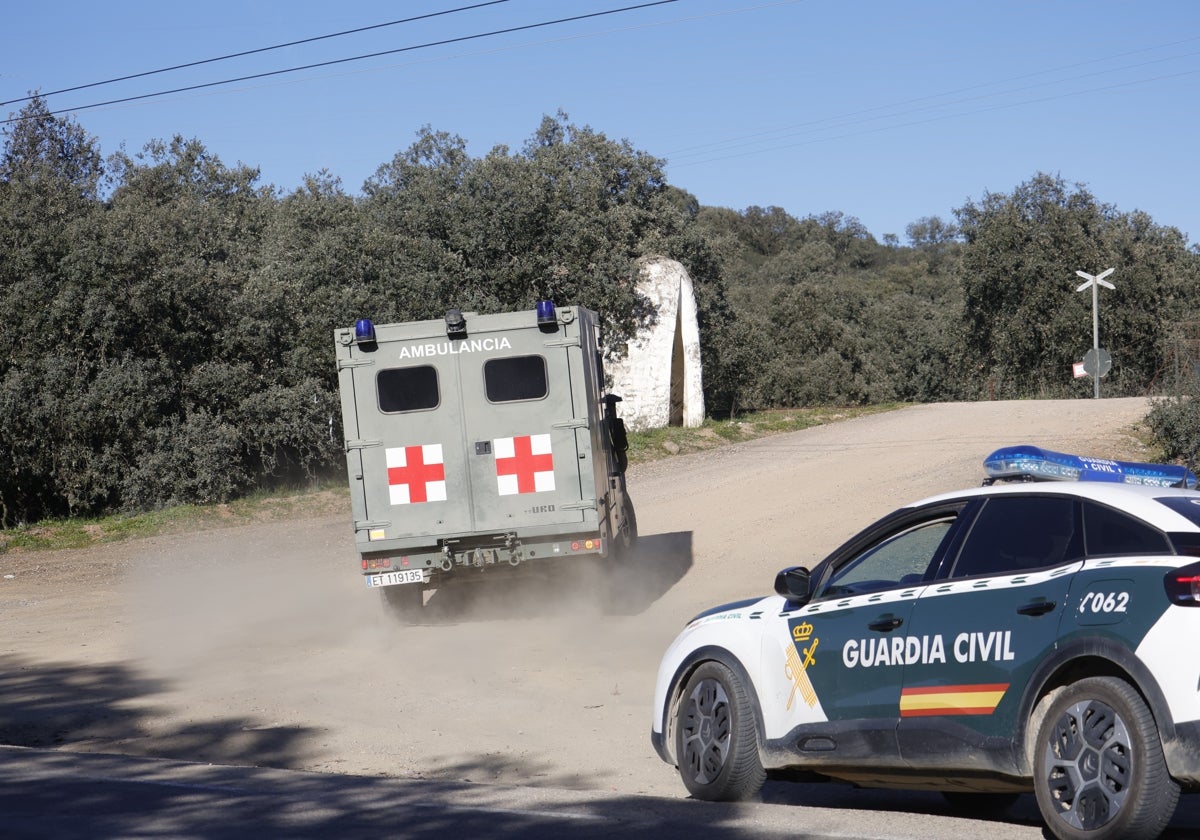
{"type": "Point", "coordinates": [1183, 586]}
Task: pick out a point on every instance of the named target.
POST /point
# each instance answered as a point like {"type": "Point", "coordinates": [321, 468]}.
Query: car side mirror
{"type": "Point", "coordinates": [794, 583]}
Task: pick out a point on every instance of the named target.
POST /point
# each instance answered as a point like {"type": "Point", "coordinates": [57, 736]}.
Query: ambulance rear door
{"type": "Point", "coordinates": [415, 485]}
{"type": "Point", "coordinates": [527, 441]}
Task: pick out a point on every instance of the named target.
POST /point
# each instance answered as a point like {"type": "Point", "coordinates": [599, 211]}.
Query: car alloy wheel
{"type": "Point", "coordinates": [717, 736]}
{"type": "Point", "coordinates": [1100, 770]}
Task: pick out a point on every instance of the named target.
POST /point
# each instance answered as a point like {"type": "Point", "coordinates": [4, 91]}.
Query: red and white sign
{"type": "Point", "coordinates": [1077, 369]}
{"type": "Point", "coordinates": [416, 474]}
{"type": "Point", "coordinates": [524, 465]}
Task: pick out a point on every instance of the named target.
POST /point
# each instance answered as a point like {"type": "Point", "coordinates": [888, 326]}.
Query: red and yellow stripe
{"type": "Point", "coordinates": [951, 699]}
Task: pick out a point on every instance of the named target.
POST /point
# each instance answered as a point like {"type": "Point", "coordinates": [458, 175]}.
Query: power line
{"type": "Point", "coordinates": [1114, 86]}
{"type": "Point", "coordinates": [334, 62]}
{"type": "Point", "coordinates": [528, 44]}
{"type": "Point", "coordinates": [254, 51]}
{"type": "Point", "coordinates": [847, 120]}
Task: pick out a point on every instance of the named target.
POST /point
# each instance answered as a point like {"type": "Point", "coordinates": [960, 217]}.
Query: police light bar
{"type": "Point", "coordinates": [1036, 464]}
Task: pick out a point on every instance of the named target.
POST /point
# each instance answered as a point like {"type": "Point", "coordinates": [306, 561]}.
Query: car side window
{"type": "Point", "coordinates": [896, 560]}
{"type": "Point", "coordinates": [1110, 532]}
{"type": "Point", "coordinates": [1014, 533]}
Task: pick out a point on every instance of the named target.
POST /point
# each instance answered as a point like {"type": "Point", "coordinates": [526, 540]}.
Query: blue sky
{"type": "Point", "coordinates": [885, 111]}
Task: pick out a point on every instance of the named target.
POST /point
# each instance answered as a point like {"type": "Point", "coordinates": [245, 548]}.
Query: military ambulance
{"type": "Point", "coordinates": [480, 442]}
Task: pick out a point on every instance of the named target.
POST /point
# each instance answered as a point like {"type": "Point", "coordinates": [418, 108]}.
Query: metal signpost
{"type": "Point", "coordinates": [1096, 363]}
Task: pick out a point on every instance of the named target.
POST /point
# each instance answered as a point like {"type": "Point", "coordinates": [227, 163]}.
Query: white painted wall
{"type": "Point", "coordinates": [660, 380]}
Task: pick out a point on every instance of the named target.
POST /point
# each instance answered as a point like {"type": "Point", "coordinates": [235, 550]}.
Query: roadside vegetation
{"type": "Point", "coordinates": [166, 338]}
{"type": "Point", "coordinates": [329, 496]}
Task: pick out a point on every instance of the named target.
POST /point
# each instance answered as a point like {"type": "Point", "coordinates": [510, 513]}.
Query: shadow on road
{"type": "Point", "coordinates": [110, 707]}
{"type": "Point", "coordinates": [67, 796]}
{"type": "Point", "coordinates": [61, 794]}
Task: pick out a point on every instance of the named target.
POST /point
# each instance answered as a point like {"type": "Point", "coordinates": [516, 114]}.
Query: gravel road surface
{"type": "Point", "coordinates": [259, 645]}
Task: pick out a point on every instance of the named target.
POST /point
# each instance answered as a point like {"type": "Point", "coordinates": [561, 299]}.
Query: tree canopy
{"type": "Point", "coordinates": [168, 318]}
{"type": "Point", "coordinates": [1025, 324]}
{"type": "Point", "coordinates": [170, 340]}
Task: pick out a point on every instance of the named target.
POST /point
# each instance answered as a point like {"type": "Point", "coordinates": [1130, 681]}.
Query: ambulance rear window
{"type": "Point", "coordinates": [515, 378]}
{"type": "Point", "coordinates": [407, 389]}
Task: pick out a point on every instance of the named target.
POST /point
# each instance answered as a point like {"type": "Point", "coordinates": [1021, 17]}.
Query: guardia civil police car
{"type": "Point", "coordinates": [1011, 637]}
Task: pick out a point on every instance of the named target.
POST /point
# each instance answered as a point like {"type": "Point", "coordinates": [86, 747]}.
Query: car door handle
{"type": "Point", "coordinates": [886, 624]}
{"type": "Point", "coordinates": [1037, 608]}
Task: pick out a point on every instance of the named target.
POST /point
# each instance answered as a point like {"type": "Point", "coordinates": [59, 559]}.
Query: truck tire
{"type": "Point", "coordinates": [404, 603]}
{"type": "Point", "coordinates": [1099, 771]}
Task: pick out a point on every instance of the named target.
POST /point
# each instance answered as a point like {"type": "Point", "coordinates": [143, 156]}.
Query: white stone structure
{"type": "Point", "coordinates": [659, 381]}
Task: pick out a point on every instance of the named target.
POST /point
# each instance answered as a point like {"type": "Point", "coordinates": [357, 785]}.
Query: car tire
{"type": "Point", "coordinates": [404, 603]}
{"type": "Point", "coordinates": [1099, 771]}
{"type": "Point", "coordinates": [716, 737]}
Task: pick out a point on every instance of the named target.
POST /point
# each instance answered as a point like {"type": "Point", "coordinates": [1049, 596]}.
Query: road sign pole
{"type": "Point", "coordinates": [1095, 282]}
{"type": "Point", "coordinates": [1096, 335]}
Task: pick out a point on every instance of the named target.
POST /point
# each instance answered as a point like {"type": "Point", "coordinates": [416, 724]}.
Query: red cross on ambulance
{"type": "Point", "coordinates": [524, 464]}
{"type": "Point", "coordinates": [416, 474]}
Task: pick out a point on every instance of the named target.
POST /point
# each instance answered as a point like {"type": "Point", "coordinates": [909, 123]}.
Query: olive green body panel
{"type": "Point", "coordinates": [487, 447]}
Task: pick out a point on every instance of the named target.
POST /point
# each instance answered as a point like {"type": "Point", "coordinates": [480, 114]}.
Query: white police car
{"type": "Point", "coordinates": [982, 643]}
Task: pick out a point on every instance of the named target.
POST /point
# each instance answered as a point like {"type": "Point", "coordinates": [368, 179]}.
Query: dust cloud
{"type": "Point", "coordinates": [274, 625]}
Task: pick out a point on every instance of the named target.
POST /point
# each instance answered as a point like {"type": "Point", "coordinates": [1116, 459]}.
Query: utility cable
{"type": "Point", "coordinates": [845, 119]}
{"type": "Point", "coordinates": [1115, 86]}
{"type": "Point", "coordinates": [337, 61]}
{"type": "Point", "coordinates": [254, 51]}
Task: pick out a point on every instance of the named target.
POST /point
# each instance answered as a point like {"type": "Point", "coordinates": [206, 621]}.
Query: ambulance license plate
{"type": "Point", "coordinates": [393, 578]}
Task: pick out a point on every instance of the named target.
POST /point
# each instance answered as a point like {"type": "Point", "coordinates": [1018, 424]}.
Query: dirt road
{"type": "Point", "coordinates": [260, 645]}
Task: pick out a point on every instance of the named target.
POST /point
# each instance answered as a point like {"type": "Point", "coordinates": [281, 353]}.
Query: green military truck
{"type": "Point", "coordinates": [480, 442]}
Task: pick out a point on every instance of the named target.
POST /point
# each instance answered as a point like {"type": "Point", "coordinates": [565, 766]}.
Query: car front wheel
{"type": "Point", "coordinates": [717, 737]}
{"type": "Point", "coordinates": [1099, 767]}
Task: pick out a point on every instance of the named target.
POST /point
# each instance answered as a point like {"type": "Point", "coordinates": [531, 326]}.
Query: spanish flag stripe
{"type": "Point", "coordinates": [954, 689]}
{"type": "Point", "coordinates": [966, 698]}
{"type": "Point", "coordinates": [952, 700]}
{"type": "Point", "coordinates": [932, 712]}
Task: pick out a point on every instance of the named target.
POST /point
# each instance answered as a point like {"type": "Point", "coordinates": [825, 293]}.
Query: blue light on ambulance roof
{"type": "Point", "coordinates": [364, 331]}
{"type": "Point", "coordinates": [1033, 462]}
{"type": "Point", "coordinates": [546, 315]}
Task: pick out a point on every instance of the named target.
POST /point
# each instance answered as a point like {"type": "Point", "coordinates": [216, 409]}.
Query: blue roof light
{"type": "Point", "coordinates": [546, 316]}
{"type": "Point", "coordinates": [364, 331]}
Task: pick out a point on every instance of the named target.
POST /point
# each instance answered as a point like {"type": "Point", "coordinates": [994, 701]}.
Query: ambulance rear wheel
{"type": "Point", "coordinates": [404, 603]}
{"type": "Point", "coordinates": [1099, 767]}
